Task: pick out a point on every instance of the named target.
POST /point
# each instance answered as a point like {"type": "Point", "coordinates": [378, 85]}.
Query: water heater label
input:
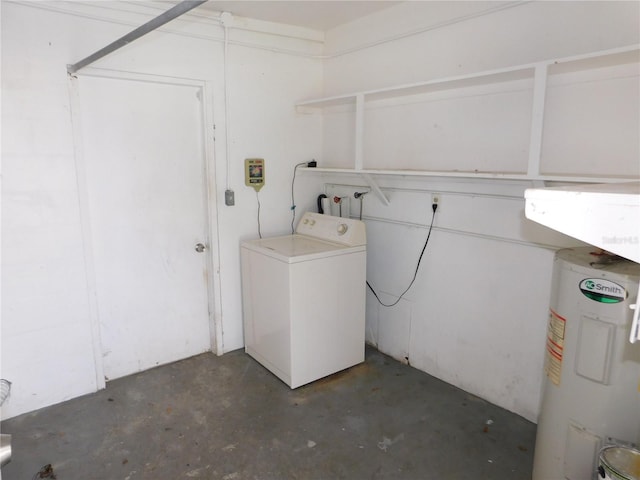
{"type": "Point", "coordinates": [555, 347]}
{"type": "Point", "coordinates": [603, 291]}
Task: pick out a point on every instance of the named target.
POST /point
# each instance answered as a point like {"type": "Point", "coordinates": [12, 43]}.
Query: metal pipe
{"type": "Point", "coordinates": [174, 12]}
{"type": "Point", "coordinates": [5, 449]}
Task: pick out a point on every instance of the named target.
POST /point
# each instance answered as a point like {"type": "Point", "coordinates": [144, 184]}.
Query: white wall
{"type": "Point", "coordinates": [448, 325]}
{"type": "Point", "coordinates": [47, 343]}
{"type": "Point", "coordinates": [451, 45]}
{"type": "Point", "coordinates": [476, 316]}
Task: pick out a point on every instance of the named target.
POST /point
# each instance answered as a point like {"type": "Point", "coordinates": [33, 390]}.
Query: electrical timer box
{"type": "Point", "coordinates": [254, 173]}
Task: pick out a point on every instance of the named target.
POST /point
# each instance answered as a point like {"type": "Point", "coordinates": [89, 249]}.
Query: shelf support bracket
{"type": "Point", "coordinates": [537, 119]}
{"type": "Point", "coordinates": [376, 189]}
{"type": "Point", "coordinates": [359, 132]}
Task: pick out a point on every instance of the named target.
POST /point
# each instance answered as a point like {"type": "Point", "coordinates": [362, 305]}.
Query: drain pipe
{"type": "Point", "coordinates": [180, 9]}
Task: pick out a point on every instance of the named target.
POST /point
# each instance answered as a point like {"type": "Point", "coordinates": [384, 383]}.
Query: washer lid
{"type": "Point", "coordinates": [296, 248]}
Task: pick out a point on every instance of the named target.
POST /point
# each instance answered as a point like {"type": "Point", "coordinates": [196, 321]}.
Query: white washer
{"type": "Point", "coordinates": [303, 298]}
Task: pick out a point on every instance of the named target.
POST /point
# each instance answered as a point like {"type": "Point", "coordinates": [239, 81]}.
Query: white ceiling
{"type": "Point", "coordinates": [315, 14]}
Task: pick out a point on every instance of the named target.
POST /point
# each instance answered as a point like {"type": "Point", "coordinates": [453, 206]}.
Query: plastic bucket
{"type": "Point", "coordinates": [619, 463]}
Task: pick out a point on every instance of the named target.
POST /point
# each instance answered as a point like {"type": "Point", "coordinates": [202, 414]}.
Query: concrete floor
{"type": "Point", "coordinates": [229, 418]}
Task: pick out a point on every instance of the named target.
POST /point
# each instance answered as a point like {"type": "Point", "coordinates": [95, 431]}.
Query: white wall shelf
{"type": "Point", "coordinates": [535, 77]}
{"type": "Point", "coordinates": [603, 215]}
{"type": "Point", "coordinates": [460, 81]}
{"type": "Point", "coordinates": [601, 59]}
{"type": "Point", "coordinates": [481, 175]}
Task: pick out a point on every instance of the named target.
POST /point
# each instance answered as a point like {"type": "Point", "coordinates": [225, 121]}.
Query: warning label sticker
{"type": "Point", "coordinates": [555, 346]}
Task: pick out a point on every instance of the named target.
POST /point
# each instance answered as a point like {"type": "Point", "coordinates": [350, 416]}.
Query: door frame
{"type": "Point", "coordinates": [214, 294]}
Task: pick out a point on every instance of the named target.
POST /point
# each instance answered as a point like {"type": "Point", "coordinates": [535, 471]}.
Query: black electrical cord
{"type": "Point", "coordinates": [258, 199]}
{"type": "Point", "coordinates": [293, 203]}
{"type": "Point", "coordinates": [434, 207]}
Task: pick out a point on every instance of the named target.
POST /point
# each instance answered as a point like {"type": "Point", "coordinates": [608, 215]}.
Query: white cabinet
{"type": "Point", "coordinates": [568, 119]}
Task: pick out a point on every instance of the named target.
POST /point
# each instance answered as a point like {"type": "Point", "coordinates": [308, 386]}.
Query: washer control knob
{"type": "Point", "coordinates": [342, 228]}
{"type": "Point", "coordinates": [305, 221]}
{"type": "Point", "coordinates": [312, 222]}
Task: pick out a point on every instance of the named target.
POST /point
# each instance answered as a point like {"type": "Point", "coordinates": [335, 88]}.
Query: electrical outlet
{"type": "Point", "coordinates": [435, 199]}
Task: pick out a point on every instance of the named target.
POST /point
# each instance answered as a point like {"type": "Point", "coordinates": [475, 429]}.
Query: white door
{"type": "Point", "coordinates": [143, 151]}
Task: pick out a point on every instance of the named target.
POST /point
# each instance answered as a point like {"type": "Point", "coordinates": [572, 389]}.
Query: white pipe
{"type": "Point", "coordinates": [634, 336]}
{"type": "Point", "coordinates": [226, 99]}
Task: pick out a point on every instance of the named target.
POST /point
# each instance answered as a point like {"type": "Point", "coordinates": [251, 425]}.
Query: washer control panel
{"type": "Point", "coordinates": [346, 231]}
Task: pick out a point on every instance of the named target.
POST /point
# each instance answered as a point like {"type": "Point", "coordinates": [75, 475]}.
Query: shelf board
{"type": "Point", "coordinates": [478, 175]}
{"type": "Point", "coordinates": [604, 215]}
{"type": "Point", "coordinates": [449, 83]}
{"type": "Point", "coordinates": [454, 83]}
{"type": "Point", "coordinates": [609, 58]}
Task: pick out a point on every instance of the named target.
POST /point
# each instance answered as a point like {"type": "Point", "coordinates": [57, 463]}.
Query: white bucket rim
{"type": "Point", "coordinates": [613, 470]}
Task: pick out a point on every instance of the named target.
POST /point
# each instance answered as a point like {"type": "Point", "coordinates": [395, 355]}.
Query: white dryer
{"type": "Point", "coordinates": [303, 298]}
